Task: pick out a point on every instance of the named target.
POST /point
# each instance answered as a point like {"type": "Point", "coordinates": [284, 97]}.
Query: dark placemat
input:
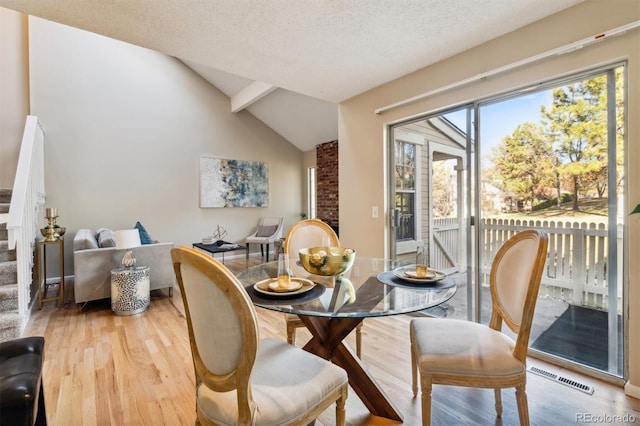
{"type": "Point", "coordinates": [389, 278]}
{"type": "Point", "coordinates": [279, 299]}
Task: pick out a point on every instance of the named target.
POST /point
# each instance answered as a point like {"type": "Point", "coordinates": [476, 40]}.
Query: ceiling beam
{"type": "Point", "coordinates": [250, 94]}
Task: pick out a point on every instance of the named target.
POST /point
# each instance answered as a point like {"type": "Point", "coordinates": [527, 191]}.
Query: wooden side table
{"type": "Point", "coordinates": [130, 293]}
{"type": "Point", "coordinates": [42, 272]}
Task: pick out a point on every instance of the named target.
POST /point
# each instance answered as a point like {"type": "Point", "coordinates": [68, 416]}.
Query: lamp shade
{"type": "Point", "coordinates": [127, 238]}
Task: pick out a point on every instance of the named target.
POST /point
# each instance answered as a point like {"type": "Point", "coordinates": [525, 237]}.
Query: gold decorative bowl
{"type": "Point", "coordinates": [60, 230]}
{"type": "Point", "coordinates": [327, 261]}
{"type": "Point", "coordinates": [52, 233]}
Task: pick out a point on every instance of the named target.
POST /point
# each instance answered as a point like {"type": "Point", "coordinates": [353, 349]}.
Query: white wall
{"type": "Point", "coordinates": [361, 131]}
{"type": "Point", "coordinates": [14, 89]}
{"type": "Point", "coordinates": [124, 130]}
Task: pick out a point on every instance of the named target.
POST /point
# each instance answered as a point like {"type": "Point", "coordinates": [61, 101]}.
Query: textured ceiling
{"type": "Point", "coordinates": [330, 50]}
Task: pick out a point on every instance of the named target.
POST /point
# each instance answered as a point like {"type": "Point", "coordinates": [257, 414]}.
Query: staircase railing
{"type": "Point", "coordinates": [27, 199]}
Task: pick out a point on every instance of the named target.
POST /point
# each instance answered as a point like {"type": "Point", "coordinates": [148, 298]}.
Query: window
{"type": "Point", "coordinates": [311, 190]}
{"type": "Point", "coordinates": [405, 190]}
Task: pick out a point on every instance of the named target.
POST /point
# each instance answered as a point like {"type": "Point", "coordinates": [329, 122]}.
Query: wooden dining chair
{"type": "Point", "coordinates": [464, 353]}
{"type": "Point", "coordinates": [241, 379]}
{"type": "Point", "coordinates": [303, 234]}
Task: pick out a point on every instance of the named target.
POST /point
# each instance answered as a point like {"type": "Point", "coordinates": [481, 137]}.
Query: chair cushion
{"type": "Point", "coordinates": [463, 348]}
{"type": "Point", "coordinates": [266, 231]}
{"type": "Point", "coordinates": [286, 383]}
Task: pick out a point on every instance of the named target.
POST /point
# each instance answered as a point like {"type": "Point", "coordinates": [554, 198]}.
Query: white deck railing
{"type": "Point", "coordinates": [26, 202]}
{"type": "Point", "coordinates": [576, 267]}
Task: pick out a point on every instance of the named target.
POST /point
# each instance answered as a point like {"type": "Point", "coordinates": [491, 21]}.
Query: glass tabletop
{"type": "Point", "coordinates": [369, 288]}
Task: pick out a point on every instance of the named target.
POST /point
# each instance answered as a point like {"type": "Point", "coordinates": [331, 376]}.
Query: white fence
{"type": "Point", "coordinates": [576, 267]}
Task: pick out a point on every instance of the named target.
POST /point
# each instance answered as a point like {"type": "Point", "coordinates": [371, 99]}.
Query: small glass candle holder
{"type": "Point", "coordinates": [421, 262]}
{"type": "Point", "coordinates": [284, 272]}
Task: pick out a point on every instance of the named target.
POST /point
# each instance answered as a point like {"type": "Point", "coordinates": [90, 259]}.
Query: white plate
{"type": "Point", "coordinates": [263, 287]}
{"type": "Point", "coordinates": [293, 285]}
{"type": "Point", "coordinates": [405, 272]}
{"type": "Point", "coordinates": [414, 274]}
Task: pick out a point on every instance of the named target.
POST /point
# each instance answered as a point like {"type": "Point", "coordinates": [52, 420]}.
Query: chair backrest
{"type": "Point", "coordinates": [515, 277]}
{"type": "Point", "coordinates": [269, 230]}
{"type": "Point", "coordinates": [272, 220]}
{"type": "Point", "coordinates": [222, 323]}
{"type": "Point", "coordinates": [308, 233]}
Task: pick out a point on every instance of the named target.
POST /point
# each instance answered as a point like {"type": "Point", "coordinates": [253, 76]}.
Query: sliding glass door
{"type": "Point", "coordinates": [550, 158]}
{"type": "Point", "coordinates": [430, 173]}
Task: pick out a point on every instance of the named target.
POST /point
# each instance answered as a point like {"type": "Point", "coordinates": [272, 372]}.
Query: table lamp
{"type": "Point", "coordinates": [127, 239]}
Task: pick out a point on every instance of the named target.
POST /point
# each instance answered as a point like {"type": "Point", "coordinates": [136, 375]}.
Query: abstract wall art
{"type": "Point", "coordinates": [233, 183]}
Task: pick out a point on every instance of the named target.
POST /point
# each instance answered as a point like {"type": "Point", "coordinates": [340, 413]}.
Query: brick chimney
{"type": "Point", "coordinates": [327, 208]}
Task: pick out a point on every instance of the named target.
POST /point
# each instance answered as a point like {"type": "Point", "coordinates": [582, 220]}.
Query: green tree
{"type": "Point", "coordinates": [443, 189]}
{"type": "Point", "coordinates": [576, 123]}
{"type": "Point", "coordinates": [524, 164]}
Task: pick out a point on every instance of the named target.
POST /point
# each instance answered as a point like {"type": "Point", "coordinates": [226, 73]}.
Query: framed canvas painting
{"type": "Point", "coordinates": [233, 183]}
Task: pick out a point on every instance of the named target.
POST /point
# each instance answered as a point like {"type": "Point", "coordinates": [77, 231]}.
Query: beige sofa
{"type": "Point", "coordinates": [92, 266]}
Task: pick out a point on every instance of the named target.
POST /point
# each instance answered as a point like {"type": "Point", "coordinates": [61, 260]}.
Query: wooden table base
{"type": "Point", "coordinates": [328, 334]}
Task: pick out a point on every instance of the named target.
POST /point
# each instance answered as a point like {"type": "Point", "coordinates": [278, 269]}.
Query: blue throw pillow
{"type": "Point", "coordinates": [145, 238]}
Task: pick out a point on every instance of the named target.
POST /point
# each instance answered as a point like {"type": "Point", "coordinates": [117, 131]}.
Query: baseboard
{"type": "Point", "coordinates": [632, 390]}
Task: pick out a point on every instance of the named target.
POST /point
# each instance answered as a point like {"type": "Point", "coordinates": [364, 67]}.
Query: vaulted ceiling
{"type": "Point", "coordinates": [290, 62]}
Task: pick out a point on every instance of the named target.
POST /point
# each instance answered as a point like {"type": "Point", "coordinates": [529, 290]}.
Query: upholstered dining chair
{"type": "Point", "coordinates": [269, 230]}
{"type": "Point", "coordinates": [240, 378]}
{"type": "Point", "coordinates": [464, 353]}
{"type": "Point", "coordinates": [302, 234]}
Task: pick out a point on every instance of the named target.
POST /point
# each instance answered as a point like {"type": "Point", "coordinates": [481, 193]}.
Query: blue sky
{"type": "Point", "coordinates": [501, 119]}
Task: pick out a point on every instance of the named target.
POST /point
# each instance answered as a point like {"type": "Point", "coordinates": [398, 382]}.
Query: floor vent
{"type": "Point", "coordinates": [560, 379]}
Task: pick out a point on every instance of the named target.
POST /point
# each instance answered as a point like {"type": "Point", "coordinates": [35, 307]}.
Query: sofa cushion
{"type": "Point", "coordinates": [145, 238]}
{"type": "Point", "coordinates": [85, 239]}
{"type": "Point", "coordinates": [106, 237]}
{"type": "Point", "coordinates": [266, 231]}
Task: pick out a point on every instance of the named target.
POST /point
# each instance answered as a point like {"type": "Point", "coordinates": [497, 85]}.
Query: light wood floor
{"type": "Point", "coordinates": [102, 369]}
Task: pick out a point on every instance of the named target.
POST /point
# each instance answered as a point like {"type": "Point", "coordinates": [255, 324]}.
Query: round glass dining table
{"type": "Point", "coordinates": [331, 307]}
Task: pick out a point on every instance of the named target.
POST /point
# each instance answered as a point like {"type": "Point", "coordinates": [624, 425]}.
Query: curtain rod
{"type": "Point", "coordinates": [553, 52]}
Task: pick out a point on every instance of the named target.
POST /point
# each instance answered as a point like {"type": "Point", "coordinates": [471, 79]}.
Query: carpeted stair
{"type": "Point", "coordinates": [9, 317]}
